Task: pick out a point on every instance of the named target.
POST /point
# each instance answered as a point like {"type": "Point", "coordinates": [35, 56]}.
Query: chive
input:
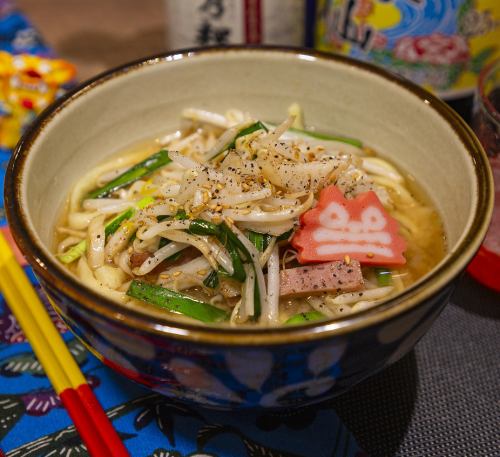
{"type": "Point", "coordinates": [176, 302]}
{"type": "Point", "coordinates": [260, 240]}
{"type": "Point", "coordinates": [324, 136]}
{"type": "Point", "coordinates": [239, 272]}
{"type": "Point", "coordinates": [256, 299]}
{"type": "Point", "coordinates": [181, 215]}
{"type": "Point", "coordinates": [140, 170]}
{"type": "Point", "coordinates": [113, 225]}
{"type": "Point", "coordinates": [302, 318]}
{"type": "Point", "coordinates": [202, 227]}
{"type": "Point", "coordinates": [212, 280]}
{"type": "Point", "coordinates": [246, 131]}
{"type": "Point", "coordinates": [384, 276]}
{"type": "Point", "coordinates": [73, 253]}
{"type": "Point", "coordinates": [237, 251]}
{"type": "Point", "coordinates": [257, 240]}
{"type": "Point", "coordinates": [227, 235]}
{"type": "Point", "coordinates": [76, 251]}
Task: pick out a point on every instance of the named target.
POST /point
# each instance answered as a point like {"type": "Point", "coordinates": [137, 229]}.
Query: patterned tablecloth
{"type": "Point", "coordinates": [32, 419]}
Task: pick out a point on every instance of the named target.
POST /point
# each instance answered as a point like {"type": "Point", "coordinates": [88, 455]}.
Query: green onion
{"type": "Point", "coordinates": [243, 132]}
{"type": "Point", "coordinates": [256, 300]}
{"type": "Point", "coordinates": [324, 136]}
{"type": "Point", "coordinates": [113, 225]}
{"type": "Point", "coordinates": [246, 131]}
{"type": "Point", "coordinates": [239, 272]}
{"type": "Point", "coordinates": [237, 251]}
{"type": "Point", "coordinates": [181, 215]}
{"type": "Point", "coordinates": [176, 302]}
{"type": "Point", "coordinates": [73, 253]}
{"type": "Point", "coordinates": [260, 240]}
{"type": "Point", "coordinates": [202, 227]}
{"type": "Point", "coordinates": [140, 170]}
{"type": "Point", "coordinates": [76, 251]}
{"type": "Point", "coordinates": [302, 318]}
{"type": "Point", "coordinates": [212, 280]}
{"type": "Point", "coordinates": [384, 276]}
{"type": "Point", "coordinates": [227, 235]}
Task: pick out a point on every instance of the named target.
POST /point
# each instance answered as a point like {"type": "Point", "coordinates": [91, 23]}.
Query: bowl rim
{"type": "Point", "coordinates": [140, 320]}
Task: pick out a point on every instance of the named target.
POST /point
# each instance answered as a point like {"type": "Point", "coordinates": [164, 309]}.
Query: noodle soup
{"type": "Point", "coordinates": [238, 221]}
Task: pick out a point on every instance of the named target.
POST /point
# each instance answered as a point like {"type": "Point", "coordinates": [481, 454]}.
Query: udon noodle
{"type": "Point", "coordinates": [219, 224]}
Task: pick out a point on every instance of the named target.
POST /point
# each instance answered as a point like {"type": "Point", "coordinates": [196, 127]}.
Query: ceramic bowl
{"type": "Point", "coordinates": [226, 367]}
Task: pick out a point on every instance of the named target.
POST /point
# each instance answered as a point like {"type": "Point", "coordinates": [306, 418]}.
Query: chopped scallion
{"type": "Point", "coordinates": [76, 251]}
{"type": "Point", "coordinates": [212, 280]}
{"type": "Point", "coordinates": [138, 171]}
{"type": "Point", "coordinates": [384, 276]}
{"type": "Point", "coordinates": [301, 318]}
{"type": "Point", "coordinates": [176, 302]}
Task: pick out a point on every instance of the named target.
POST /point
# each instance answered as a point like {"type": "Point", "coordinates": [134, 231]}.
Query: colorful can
{"type": "Point", "coordinates": [220, 22]}
{"type": "Point", "coordinates": [440, 44]}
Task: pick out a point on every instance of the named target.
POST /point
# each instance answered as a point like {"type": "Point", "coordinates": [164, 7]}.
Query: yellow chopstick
{"type": "Point", "coordinates": [61, 369]}
{"type": "Point", "coordinates": [36, 323]}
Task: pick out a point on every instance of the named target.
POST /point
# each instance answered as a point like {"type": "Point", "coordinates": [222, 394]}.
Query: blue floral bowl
{"type": "Point", "coordinates": [243, 368]}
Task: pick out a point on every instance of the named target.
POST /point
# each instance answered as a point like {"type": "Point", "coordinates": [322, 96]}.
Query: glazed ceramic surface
{"type": "Point", "coordinates": [229, 368]}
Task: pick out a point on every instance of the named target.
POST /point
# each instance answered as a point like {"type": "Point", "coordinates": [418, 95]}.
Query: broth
{"type": "Point", "coordinates": [213, 230]}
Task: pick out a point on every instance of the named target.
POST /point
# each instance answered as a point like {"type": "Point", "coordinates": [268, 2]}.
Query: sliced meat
{"type": "Point", "coordinates": [138, 258]}
{"type": "Point", "coordinates": [323, 277]}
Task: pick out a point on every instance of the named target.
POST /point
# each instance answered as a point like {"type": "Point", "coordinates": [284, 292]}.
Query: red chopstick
{"type": "Point", "coordinates": [65, 376]}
